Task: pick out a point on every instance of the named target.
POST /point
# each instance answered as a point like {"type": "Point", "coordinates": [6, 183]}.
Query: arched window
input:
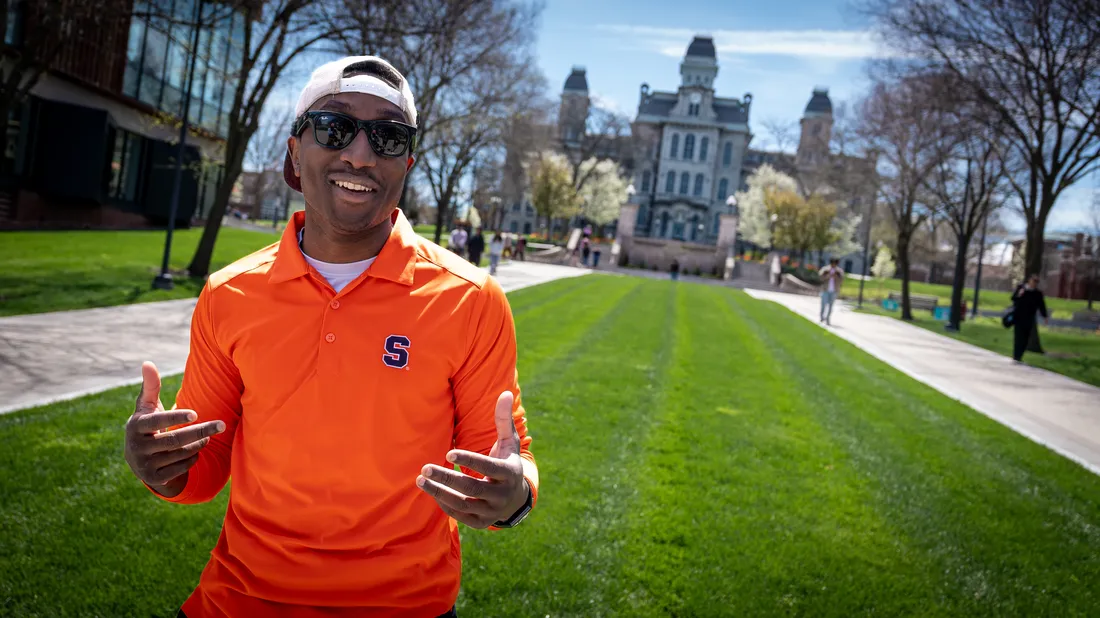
{"type": "Point", "coordinates": [723, 189]}
{"type": "Point", "coordinates": [685, 180]}
{"type": "Point", "coordinates": [703, 148]}
{"type": "Point", "coordinates": [694, 227]}
{"type": "Point", "coordinates": [689, 146]}
{"type": "Point", "coordinates": [698, 185]}
{"type": "Point", "coordinates": [673, 151]}
{"type": "Point", "coordinates": [727, 154]}
{"type": "Point", "coordinates": [664, 224]}
{"type": "Point", "coordinates": [670, 182]}
{"type": "Point", "coordinates": [716, 223]}
{"type": "Point", "coordinates": [646, 178]}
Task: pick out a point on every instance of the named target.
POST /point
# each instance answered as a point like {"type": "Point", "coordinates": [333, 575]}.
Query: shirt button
{"type": "Point", "coordinates": [334, 304]}
{"type": "Point", "coordinates": [330, 337]}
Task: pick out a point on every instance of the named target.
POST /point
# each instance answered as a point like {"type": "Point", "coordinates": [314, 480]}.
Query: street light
{"type": "Point", "coordinates": [630, 191]}
{"type": "Point", "coordinates": [731, 202]}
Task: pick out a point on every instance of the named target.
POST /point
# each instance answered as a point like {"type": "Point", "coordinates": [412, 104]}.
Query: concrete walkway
{"type": "Point", "coordinates": [50, 357]}
{"type": "Point", "coordinates": [1049, 408]}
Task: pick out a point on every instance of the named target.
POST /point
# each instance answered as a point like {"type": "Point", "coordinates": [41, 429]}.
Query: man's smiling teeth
{"type": "Point", "coordinates": [351, 186]}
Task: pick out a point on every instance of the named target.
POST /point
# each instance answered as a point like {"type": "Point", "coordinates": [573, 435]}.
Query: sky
{"type": "Point", "coordinates": [778, 50]}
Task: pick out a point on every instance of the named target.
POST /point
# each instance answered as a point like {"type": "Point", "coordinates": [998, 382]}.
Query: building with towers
{"type": "Point", "coordinates": [689, 147]}
{"type": "Point", "coordinates": [571, 135]}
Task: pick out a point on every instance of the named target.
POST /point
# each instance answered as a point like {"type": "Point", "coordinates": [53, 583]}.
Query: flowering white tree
{"type": "Point", "coordinates": [604, 193]}
{"type": "Point", "coordinates": [884, 266]}
{"type": "Point", "coordinates": [844, 230]}
{"type": "Point", "coordinates": [754, 222]}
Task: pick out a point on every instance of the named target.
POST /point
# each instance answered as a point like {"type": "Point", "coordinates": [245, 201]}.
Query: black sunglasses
{"type": "Point", "coordinates": [388, 138]}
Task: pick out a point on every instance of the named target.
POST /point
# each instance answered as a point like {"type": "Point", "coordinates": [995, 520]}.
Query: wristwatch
{"type": "Point", "coordinates": [519, 515]}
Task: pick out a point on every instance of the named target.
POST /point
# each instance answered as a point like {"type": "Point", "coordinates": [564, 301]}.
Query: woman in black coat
{"type": "Point", "coordinates": [1027, 301]}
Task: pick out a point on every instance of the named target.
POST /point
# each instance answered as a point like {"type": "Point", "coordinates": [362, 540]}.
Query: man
{"type": "Point", "coordinates": [338, 376]}
{"type": "Point", "coordinates": [1027, 301]}
{"type": "Point", "coordinates": [476, 246]}
{"type": "Point", "coordinates": [458, 241]}
{"type": "Point", "coordinates": [831, 278]}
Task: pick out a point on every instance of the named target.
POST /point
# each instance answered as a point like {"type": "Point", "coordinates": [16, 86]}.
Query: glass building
{"type": "Point", "coordinates": [119, 95]}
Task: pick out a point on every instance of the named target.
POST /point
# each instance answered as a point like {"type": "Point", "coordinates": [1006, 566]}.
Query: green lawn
{"type": "Point", "coordinates": [990, 299]}
{"type": "Point", "coordinates": [701, 454]}
{"type": "Point", "coordinates": [52, 271]}
{"type": "Point", "coordinates": [1069, 351]}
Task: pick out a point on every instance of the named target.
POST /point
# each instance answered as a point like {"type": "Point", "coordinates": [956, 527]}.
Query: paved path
{"type": "Point", "coordinates": [1051, 409]}
{"type": "Point", "coordinates": [50, 357]}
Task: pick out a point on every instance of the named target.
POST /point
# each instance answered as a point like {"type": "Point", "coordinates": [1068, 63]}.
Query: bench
{"type": "Point", "coordinates": [917, 301]}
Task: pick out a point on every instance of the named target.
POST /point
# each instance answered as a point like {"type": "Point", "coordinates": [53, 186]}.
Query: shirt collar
{"type": "Point", "coordinates": [396, 262]}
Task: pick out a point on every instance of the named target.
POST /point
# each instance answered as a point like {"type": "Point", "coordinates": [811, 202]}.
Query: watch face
{"type": "Point", "coordinates": [696, 97]}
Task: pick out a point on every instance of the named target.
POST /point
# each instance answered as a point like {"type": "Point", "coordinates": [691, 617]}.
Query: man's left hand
{"type": "Point", "coordinates": [479, 503]}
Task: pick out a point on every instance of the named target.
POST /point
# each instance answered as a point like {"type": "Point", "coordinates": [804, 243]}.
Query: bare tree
{"type": "Point", "coordinates": [605, 131]}
{"type": "Point", "coordinates": [1034, 64]}
{"type": "Point", "coordinates": [477, 109]}
{"type": "Point", "coordinates": [969, 183]}
{"type": "Point", "coordinates": [436, 44]}
{"type": "Point", "coordinates": [265, 154]}
{"type": "Point", "coordinates": [784, 134]}
{"type": "Point", "coordinates": [275, 33]}
{"type": "Point", "coordinates": [900, 122]}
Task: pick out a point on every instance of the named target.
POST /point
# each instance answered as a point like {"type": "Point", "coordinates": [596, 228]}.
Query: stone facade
{"type": "Point", "coordinates": [689, 147]}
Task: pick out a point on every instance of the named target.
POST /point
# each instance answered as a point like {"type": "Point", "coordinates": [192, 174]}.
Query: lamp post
{"type": "Point", "coordinates": [163, 281]}
{"type": "Point", "coordinates": [866, 249]}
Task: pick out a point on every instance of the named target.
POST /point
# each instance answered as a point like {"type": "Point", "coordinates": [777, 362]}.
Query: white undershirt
{"type": "Point", "coordinates": [337, 275]}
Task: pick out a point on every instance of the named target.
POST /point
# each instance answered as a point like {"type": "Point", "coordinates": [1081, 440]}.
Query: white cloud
{"type": "Point", "coordinates": [846, 44]}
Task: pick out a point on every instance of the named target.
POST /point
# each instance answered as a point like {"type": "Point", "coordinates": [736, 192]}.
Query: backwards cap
{"type": "Point", "coordinates": [365, 74]}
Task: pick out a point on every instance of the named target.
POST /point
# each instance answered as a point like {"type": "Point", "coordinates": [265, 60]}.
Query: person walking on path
{"type": "Point", "coordinates": [327, 377]}
{"type": "Point", "coordinates": [586, 250]}
{"type": "Point", "coordinates": [496, 250]}
{"type": "Point", "coordinates": [458, 241]}
{"type": "Point", "coordinates": [1027, 301]}
{"type": "Point", "coordinates": [674, 270]}
{"type": "Point", "coordinates": [831, 278]}
{"type": "Point", "coordinates": [475, 247]}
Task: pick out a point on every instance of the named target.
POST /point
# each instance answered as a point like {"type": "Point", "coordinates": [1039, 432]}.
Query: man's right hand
{"type": "Point", "coordinates": [162, 458]}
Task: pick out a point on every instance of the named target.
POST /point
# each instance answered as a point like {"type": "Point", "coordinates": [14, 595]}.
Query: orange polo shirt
{"type": "Point", "coordinates": [332, 403]}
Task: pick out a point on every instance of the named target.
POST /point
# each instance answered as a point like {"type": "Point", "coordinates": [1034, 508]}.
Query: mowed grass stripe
{"type": "Point", "coordinates": [592, 414]}
{"type": "Point", "coordinates": [1000, 517]}
{"type": "Point", "coordinates": [524, 300]}
{"type": "Point", "coordinates": [741, 509]}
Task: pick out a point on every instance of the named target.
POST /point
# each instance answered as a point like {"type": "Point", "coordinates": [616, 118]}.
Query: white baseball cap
{"type": "Point", "coordinates": [365, 74]}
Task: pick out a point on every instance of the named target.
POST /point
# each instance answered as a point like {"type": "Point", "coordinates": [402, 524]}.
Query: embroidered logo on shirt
{"type": "Point", "coordinates": [397, 351]}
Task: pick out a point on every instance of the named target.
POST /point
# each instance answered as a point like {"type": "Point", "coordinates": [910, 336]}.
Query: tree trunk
{"type": "Point", "coordinates": [958, 282]}
{"type": "Point", "coordinates": [1033, 251]}
{"type": "Point", "coordinates": [234, 162]}
{"type": "Point", "coordinates": [204, 253]}
{"type": "Point", "coordinates": [903, 266]}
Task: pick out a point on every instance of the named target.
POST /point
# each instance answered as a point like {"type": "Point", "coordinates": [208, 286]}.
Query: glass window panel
{"type": "Point", "coordinates": [675, 146]}
{"type": "Point", "coordinates": [670, 182]}
{"type": "Point", "coordinates": [685, 180]}
{"type": "Point", "coordinates": [150, 90]}
{"type": "Point", "coordinates": [698, 185]}
{"type": "Point", "coordinates": [703, 148]}
{"type": "Point", "coordinates": [171, 99]}
{"type": "Point", "coordinates": [130, 80]}
{"type": "Point", "coordinates": [223, 125]}
{"type": "Point", "coordinates": [137, 38]}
